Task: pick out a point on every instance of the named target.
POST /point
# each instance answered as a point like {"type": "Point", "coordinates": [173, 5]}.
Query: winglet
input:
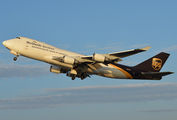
{"type": "Point", "coordinates": [146, 48]}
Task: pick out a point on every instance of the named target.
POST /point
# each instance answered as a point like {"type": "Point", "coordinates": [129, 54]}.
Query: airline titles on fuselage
{"type": "Point", "coordinates": [41, 47]}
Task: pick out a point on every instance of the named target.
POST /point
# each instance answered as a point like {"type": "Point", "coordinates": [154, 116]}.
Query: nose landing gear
{"type": "Point", "coordinates": [15, 58]}
{"type": "Point", "coordinates": [14, 53]}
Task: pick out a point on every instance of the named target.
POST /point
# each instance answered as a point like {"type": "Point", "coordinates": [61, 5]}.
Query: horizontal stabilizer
{"type": "Point", "coordinates": [157, 74]}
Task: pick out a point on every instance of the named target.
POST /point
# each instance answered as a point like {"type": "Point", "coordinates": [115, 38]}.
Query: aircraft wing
{"type": "Point", "coordinates": [128, 52]}
{"type": "Point", "coordinates": [117, 55]}
{"type": "Point", "coordinates": [99, 58]}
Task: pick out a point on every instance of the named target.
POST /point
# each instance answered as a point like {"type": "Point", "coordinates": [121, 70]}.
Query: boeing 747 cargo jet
{"type": "Point", "coordinates": [82, 66]}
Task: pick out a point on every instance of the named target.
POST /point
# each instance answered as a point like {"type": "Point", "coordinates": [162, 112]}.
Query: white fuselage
{"type": "Point", "coordinates": [44, 52]}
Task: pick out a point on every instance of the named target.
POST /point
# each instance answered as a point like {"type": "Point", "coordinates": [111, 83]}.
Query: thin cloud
{"type": "Point", "coordinates": [107, 48]}
{"type": "Point", "coordinates": [158, 110]}
{"type": "Point", "coordinates": [91, 46]}
{"type": "Point", "coordinates": [66, 46]}
{"type": "Point", "coordinates": [168, 49]}
{"type": "Point", "coordinates": [3, 50]}
{"type": "Point", "coordinates": [55, 97]}
{"type": "Point", "coordinates": [139, 45]}
{"type": "Point", "coordinates": [110, 47]}
{"type": "Point", "coordinates": [14, 70]}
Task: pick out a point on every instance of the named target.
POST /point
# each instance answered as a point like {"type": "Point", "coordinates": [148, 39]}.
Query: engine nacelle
{"type": "Point", "coordinates": [56, 69]}
{"type": "Point", "coordinates": [98, 57]}
{"type": "Point", "coordinates": [68, 60]}
{"type": "Point", "coordinates": [71, 73]}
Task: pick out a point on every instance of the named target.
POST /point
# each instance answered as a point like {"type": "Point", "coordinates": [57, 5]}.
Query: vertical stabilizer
{"type": "Point", "coordinates": [155, 63]}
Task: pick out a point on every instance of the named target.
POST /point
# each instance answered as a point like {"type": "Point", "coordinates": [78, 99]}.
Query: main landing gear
{"type": "Point", "coordinates": [73, 77]}
{"type": "Point", "coordinates": [82, 76]}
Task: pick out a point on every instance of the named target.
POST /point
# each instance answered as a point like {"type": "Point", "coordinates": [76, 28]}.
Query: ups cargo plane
{"type": "Point", "coordinates": [82, 66]}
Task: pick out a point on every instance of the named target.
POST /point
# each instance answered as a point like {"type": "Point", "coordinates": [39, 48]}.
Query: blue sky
{"type": "Point", "coordinates": [29, 91]}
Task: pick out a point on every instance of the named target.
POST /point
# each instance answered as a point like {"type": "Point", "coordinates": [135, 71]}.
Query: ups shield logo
{"type": "Point", "coordinates": [156, 63]}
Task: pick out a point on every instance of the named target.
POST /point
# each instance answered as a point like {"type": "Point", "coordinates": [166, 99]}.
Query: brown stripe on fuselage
{"type": "Point", "coordinates": [133, 73]}
{"type": "Point", "coordinates": [123, 71]}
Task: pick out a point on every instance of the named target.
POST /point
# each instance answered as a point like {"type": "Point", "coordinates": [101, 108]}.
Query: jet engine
{"type": "Point", "coordinates": [99, 58]}
{"type": "Point", "coordinates": [68, 60]}
{"type": "Point", "coordinates": [56, 69]}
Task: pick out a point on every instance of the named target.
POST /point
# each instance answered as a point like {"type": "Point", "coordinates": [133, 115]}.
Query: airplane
{"type": "Point", "coordinates": [82, 66]}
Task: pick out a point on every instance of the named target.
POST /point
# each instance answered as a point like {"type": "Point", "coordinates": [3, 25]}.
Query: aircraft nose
{"type": "Point", "coordinates": [5, 43]}
{"type": "Point", "coordinates": [9, 43]}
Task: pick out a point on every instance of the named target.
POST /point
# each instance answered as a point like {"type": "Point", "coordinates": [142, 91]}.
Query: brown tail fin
{"type": "Point", "coordinates": [155, 63]}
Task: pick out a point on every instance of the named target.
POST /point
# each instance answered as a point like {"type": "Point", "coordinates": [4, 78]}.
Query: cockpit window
{"type": "Point", "coordinates": [18, 37]}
